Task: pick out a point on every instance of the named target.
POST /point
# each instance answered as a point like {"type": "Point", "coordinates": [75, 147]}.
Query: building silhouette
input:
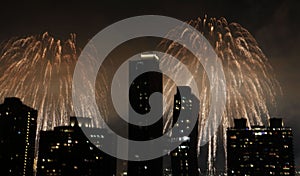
{"type": "Point", "coordinates": [67, 151]}
{"type": "Point", "coordinates": [141, 87]}
{"type": "Point", "coordinates": [184, 157]}
{"type": "Point", "coordinates": [17, 138]}
{"type": "Point", "coordinates": [259, 150]}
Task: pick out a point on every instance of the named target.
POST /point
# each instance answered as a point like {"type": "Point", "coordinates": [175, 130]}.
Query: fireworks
{"type": "Point", "coordinates": [39, 70]}
{"type": "Point", "coordinates": [251, 85]}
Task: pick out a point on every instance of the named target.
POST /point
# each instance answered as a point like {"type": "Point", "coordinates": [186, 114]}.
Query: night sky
{"type": "Point", "coordinates": [274, 24]}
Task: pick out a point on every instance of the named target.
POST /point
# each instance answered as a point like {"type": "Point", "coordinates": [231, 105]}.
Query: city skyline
{"type": "Point", "coordinates": [273, 26]}
{"type": "Point", "coordinates": [70, 141]}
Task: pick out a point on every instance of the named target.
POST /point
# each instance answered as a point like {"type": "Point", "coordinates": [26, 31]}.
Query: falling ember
{"type": "Point", "coordinates": [39, 70]}
{"type": "Point", "coordinates": [251, 85]}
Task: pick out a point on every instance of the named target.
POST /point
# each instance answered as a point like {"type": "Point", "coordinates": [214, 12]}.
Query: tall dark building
{"type": "Point", "coordinates": [67, 151]}
{"type": "Point", "coordinates": [184, 157]}
{"type": "Point", "coordinates": [259, 150]}
{"type": "Point", "coordinates": [141, 89]}
{"type": "Point", "coordinates": [17, 138]}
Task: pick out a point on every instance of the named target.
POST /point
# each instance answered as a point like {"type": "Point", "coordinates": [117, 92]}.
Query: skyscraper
{"type": "Point", "coordinates": [184, 157]}
{"type": "Point", "coordinates": [67, 151]}
{"type": "Point", "coordinates": [141, 88]}
{"type": "Point", "coordinates": [259, 150]}
{"type": "Point", "coordinates": [17, 138]}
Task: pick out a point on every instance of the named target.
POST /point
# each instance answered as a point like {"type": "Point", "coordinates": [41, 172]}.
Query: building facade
{"type": "Point", "coordinates": [17, 138]}
{"type": "Point", "coordinates": [67, 151]}
{"type": "Point", "coordinates": [141, 88]}
{"type": "Point", "coordinates": [259, 150]}
{"type": "Point", "coordinates": [184, 157]}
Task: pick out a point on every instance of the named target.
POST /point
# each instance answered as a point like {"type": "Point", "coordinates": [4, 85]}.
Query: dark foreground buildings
{"type": "Point", "coordinates": [141, 87]}
{"type": "Point", "coordinates": [17, 138]}
{"type": "Point", "coordinates": [67, 151]}
{"type": "Point", "coordinates": [260, 151]}
{"type": "Point", "coordinates": [184, 157]}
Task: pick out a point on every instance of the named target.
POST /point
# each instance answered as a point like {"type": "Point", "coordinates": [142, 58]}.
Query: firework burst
{"type": "Point", "coordinates": [251, 85]}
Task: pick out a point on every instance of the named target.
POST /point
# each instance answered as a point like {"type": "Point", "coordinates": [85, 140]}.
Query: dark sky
{"type": "Point", "coordinates": [274, 23]}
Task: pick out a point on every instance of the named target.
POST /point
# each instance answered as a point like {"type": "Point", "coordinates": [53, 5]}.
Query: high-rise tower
{"type": "Point", "coordinates": [141, 88]}
{"type": "Point", "coordinates": [17, 138]}
{"type": "Point", "coordinates": [184, 157]}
